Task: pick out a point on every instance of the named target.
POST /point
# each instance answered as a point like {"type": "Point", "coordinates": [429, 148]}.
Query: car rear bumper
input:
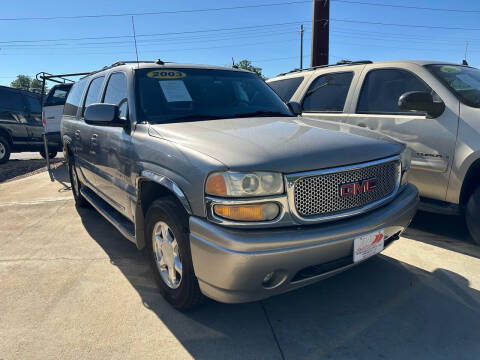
{"type": "Point", "coordinates": [231, 264]}
{"type": "Point", "coordinates": [54, 140]}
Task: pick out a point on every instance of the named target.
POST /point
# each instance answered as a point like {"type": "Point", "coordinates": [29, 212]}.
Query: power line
{"type": "Point", "coordinates": [155, 12]}
{"type": "Point", "coordinates": [403, 25]}
{"type": "Point", "coordinates": [407, 6]}
{"type": "Point", "coordinates": [150, 35]}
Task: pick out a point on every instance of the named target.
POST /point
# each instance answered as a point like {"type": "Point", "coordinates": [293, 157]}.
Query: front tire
{"type": "Point", "coordinates": [4, 150]}
{"type": "Point", "coordinates": [472, 215]}
{"type": "Point", "coordinates": [168, 249]}
{"type": "Point", "coordinates": [51, 153]}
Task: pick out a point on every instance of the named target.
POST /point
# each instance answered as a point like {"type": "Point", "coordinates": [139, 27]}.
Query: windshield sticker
{"type": "Point", "coordinates": [166, 74]}
{"type": "Point", "coordinates": [175, 90]}
{"type": "Point", "coordinates": [450, 69]}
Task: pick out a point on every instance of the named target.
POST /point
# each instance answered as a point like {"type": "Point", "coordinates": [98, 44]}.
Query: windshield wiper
{"type": "Point", "coordinates": [261, 113]}
{"type": "Point", "coordinates": [197, 117]}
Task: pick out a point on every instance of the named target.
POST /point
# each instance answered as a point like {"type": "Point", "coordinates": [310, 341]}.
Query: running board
{"type": "Point", "coordinates": [120, 222]}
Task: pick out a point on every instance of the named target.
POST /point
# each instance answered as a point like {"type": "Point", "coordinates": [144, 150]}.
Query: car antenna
{"type": "Point", "coordinates": [235, 66]}
{"type": "Point", "coordinates": [135, 41]}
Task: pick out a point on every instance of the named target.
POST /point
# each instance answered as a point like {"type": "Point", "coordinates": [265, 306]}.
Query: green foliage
{"type": "Point", "coordinates": [247, 65]}
{"type": "Point", "coordinates": [25, 82]}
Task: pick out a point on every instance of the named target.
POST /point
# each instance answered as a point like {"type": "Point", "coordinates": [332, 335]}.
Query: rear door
{"type": "Point", "coordinates": [84, 133]}
{"type": "Point", "coordinates": [34, 118]}
{"type": "Point", "coordinates": [432, 140]}
{"type": "Point", "coordinates": [53, 107]}
{"type": "Point", "coordinates": [12, 116]}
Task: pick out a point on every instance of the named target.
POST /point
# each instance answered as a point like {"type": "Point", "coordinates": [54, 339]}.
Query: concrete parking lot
{"type": "Point", "coordinates": [72, 287]}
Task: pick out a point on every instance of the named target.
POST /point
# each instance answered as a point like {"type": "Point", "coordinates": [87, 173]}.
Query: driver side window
{"type": "Point", "coordinates": [116, 93]}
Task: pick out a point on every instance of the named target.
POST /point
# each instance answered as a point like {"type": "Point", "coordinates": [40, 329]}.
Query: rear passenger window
{"type": "Point", "coordinates": [116, 92]}
{"type": "Point", "coordinates": [74, 98]}
{"type": "Point", "coordinates": [328, 93]}
{"type": "Point", "coordinates": [93, 94]}
{"type": "Point", "coordinates": [382, 88]}
{"type": "Point", "coordinates": [286, 88]}
{"type": "Point", "coordinates": [11, 100]}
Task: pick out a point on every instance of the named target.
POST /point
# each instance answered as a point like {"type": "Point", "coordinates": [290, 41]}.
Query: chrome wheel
{"type": "Point", "coordinates": [166, 253]}
{"type": "Point", "coordinates": [3, 151]}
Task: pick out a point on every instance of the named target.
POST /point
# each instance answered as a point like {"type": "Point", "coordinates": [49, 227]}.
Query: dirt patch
{"type": "Point", "coordinates": [18, 169]}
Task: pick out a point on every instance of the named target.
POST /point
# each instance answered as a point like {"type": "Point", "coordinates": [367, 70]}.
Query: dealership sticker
{"type": "Point", "coordinates": [368, 245]}
{"type": "Point", "coordinates": [450, 69]}
{"type": "Point", "coordinates": [166, 74]}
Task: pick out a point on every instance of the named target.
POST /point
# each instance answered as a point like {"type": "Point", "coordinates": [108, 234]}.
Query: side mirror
{"type": "Point", "coordinates": [295, 107]}
{"type": "Point", "coordinates": [103, 115]}
{"type": "Point", "coordinates": [421, 101]}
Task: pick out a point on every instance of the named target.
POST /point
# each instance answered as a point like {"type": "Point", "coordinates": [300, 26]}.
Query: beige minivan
{"type": "Point", "coordinates": [432, 107]}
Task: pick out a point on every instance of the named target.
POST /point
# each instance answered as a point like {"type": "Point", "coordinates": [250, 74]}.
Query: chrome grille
{"type": "Point", "coordinates": [319, 195]}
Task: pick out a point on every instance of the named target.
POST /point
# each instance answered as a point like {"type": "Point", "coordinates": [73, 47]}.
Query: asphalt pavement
{"type": "Point", "coordinates": [72, 287]}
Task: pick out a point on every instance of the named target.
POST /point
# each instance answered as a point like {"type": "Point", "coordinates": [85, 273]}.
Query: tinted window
{"type": "Point", "coordinates": [116, 92]}
{"type": "Point", "coordinates": [286, 88]}
{"type": "Point", "coordinates": [328, 93]}
{"type": "Point", "coordinates": [34, 104]}
{"type": "Point", "coordinates": [173, 95]}
{"type": "Point", "coordinates": [93, 94]}
{"type": "Point", "coordinates": [382, 88]}
{"type": "Point", "coordinates": [74, 98]}
{"type": "Point", "coordinates": [57, 95]}
{"type": "Point", "coordinates": [11, 100]}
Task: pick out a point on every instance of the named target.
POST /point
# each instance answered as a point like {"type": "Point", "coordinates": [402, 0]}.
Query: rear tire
{"type": "Point", "coordinates": [5, 150]}
{"type": "Point", "coordinates": [167, 214]}
{"type": "Point", "coordinates": [51, 153]}
{"type": "Point", "coordinates": [472, 215]}
{"type": "Point", "coordinates": [76, 185]}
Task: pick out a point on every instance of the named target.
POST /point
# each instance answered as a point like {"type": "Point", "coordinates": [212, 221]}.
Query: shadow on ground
{"type": "Point", "coordinates": [382, 309]}
{"type": "Point", "coordinates": [446, 231]}
{"type": "Point", "coordinates": [16, 169]}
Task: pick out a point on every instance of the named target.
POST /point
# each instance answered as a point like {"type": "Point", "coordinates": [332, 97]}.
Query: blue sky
{"type": "Point", "coordinates": [275, 48]}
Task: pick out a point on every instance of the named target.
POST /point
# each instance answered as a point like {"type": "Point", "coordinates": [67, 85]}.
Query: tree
{"type": "Point", "coordinates": [247, 65]}
{"type": "Point", "coordinates": [25, 82]}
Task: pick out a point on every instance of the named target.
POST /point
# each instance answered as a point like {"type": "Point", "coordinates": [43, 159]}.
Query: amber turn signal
{"type": "Point", "coordinates": [216, 185]}
{"type": "Point", "coordinates": [250, 212]}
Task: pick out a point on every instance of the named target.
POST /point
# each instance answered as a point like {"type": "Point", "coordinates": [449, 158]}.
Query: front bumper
{"type": "Point", "coordinates": [230, 264]}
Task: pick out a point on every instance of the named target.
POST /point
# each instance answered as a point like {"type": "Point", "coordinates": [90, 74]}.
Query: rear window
{"type": "Point", "coordinates": [58, 95]}
{"type": "Point", "coordinates": [74, 98]}
{"type": "Point", "coordinates": [286, 88]}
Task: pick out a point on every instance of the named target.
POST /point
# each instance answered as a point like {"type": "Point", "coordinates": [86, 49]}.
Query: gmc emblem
{"type": "Point", "coordinates": [358, 187]}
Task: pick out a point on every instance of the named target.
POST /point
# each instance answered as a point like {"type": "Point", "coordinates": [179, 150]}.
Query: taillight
{"type": "Point", "coordinates": [44, 123]}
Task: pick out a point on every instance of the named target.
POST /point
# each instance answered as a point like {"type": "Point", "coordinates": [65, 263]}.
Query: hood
{"type": "Point", "coordinates": [286, 145]}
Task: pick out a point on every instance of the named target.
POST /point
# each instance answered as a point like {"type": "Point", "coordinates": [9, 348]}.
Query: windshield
{"type": "Point", "coordinates": [176, 95]}
{"type": "Point", "coordinates": [462, 80]}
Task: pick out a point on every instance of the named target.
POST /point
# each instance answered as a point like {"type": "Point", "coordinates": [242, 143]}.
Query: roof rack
{"type": "Point", "coordinates": [338, 63]}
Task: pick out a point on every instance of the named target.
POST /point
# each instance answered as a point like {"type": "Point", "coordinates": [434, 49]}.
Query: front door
{"type": "Point", "coordinates": [432, 140]}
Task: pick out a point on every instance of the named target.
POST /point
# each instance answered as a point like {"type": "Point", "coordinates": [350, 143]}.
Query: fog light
{"type": "Point", "coordinates": [267, 278]}
{"type": "Point", "coordinates": [249, 212]}
{"type": "Point", "coordinates": [274, 279]}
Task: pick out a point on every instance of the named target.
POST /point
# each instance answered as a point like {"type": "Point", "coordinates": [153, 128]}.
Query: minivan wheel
{"type": "Point", "coordinates": [76, 185]}
{"type": "Point", "coordinates": [51, 153]}
{"type": "Point", "coordinates": [472, 215]}
{"type": "Point", "coordinates": [4, 150]}
{"type": "Point", "coordinates": [168, 249]}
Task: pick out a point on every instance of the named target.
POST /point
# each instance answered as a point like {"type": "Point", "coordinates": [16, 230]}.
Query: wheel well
{"type": "Point", "coordinates": [471, 182]}
{"type": "Point", "coordinates": [6, 134]}
{"type": "Point", "coordinates": [149, 191]}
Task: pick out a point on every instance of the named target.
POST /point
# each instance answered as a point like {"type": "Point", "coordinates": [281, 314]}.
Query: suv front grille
{"type": "Point", "coordinates": [319, 195]}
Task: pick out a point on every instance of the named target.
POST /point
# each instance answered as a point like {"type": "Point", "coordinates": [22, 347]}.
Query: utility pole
{"type": "Point", "coordinates": [320, 32]}
{"type": "Point", "coordinates": [301, 46]}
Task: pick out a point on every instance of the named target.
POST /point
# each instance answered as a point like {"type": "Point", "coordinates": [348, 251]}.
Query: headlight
{"type": "Point", "coordinates": [234, 184]}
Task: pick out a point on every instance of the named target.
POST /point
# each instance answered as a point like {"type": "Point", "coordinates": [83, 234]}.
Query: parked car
{"type": "Point", "coordinates": [20, 122]}
{"type": "Point", "coordinates": [232, 195]}
{"type": "Point", "coordinates": [432, 107]}
{"type": "Point", "coordinates": [52, 115]}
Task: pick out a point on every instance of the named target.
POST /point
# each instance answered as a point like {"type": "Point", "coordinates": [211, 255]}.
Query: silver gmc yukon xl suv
{"type": "Point", "coordinates": [232, 196]}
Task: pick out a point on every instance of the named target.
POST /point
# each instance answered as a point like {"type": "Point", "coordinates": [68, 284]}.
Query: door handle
{"type": "Point", "coordinates": [77, 134]}
{"type": "Point", "coordinates": [93, 140]}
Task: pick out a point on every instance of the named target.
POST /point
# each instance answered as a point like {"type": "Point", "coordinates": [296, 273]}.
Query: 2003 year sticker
{"type": "Point", "coordinates": [166, 74]}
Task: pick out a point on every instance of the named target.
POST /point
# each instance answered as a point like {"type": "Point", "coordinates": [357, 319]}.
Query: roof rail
{"type": "Point", "coordinates": [341, 62]}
